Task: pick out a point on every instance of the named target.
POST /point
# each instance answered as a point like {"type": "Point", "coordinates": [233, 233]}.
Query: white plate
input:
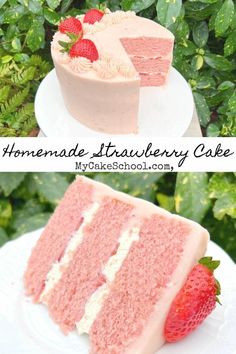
{"type": "Point", "coordinates": [163, 112]}
{"type": "Point", "coordinates": [26, 327]}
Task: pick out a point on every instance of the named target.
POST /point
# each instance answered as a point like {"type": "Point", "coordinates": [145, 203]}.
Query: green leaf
{"type": "Point", "coordinates": [21, 57]}
{"type": "Point", "coordinates": [200, 34]}
{"type": "Point", "coordinates": [188, 48]}
{"type": "Point", "coordinates": [142, 185]}
{"type": "Point", "coordinates": [230, 44]}
{"type": "Point", "coordinates": [136, 5]}
{"type": "Point", "coordinates": [197, 62]}
{"type": "Point", "coordinates": [195, 203]}
{"type": "Point", "coordinates": [168, 11]}
{"type": "Point", "coordinates": [221, 184]}
{"type": "Point", "coordinates": [202, 109]}
{"type": "Point", "coordinates": [12, 32]}
{"type": "Point", "coordinates": [51, 16]}
{"type": "Point", "coordinates": [226, 205]}
{"type": "Point", "coordinates": [226, 85]}
{"type": "Point", "coordinates": [35, 36]}
{"type": "Point", "coordinates": [10, 181]}
{"type": "Point", "coordinates": [53, 4]}
{"type": "Point", "coordinates": [3, 236]}
{"type": "Point", "coordinates": [2, 2]}
{"type": "Point", "coordinates": [180, 29]}
{"type": "Point", "coordinates": [6, 59]}
{"type": "Point", "coordinates": [165, 201]}
{"type": "Point", "coordinates": [233, 23]}
{"type": "Point", "coordinates": [4, 93]}
{"type": "Point", "coordinates": [13, 14]}
{"type": "Point", "coordinates": [32, 223]}
{"type": "Point", "coordinates": [224, 17]}
{"type": "Point", "coordinates": [24, 212]}
{"type": "Point", "coordinates": [50, 186]}
{"type": "Point", "coordinates": [216, 97]}
{"type": "Point", "coordinates": [213, 130]}
{"type": "Point", "coordinates": [35, 6]}
{"type": "Point", "coordinates": [232, 103]}
{"type": "Point", "coordinates": [65, 4]}
{"type": "Point", "coordinates": [218, 62]}
{"type": "Point", "coordinates": [5, 212]}
{"type": "Point", "coordinates": [16, 44]}
{"type": "Point", "coordinates": [204, 82]}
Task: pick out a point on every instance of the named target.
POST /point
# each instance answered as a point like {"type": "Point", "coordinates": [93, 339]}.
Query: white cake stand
{"type": "Point", "coordinates": [164, 111]}
{"type": "Point", "coordinates": [26, 328]}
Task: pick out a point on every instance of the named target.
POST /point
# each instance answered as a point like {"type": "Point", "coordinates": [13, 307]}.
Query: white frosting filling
{"type": "Point", "coordinates": [56, 271]}
{"type": "Point", "coordinates": [95, 302]}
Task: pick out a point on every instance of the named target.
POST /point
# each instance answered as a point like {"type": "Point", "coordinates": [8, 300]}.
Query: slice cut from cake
{"type": "Point", "coordinates": [111, 265]}
{"type": "Point", "coordinates": [103, 94]}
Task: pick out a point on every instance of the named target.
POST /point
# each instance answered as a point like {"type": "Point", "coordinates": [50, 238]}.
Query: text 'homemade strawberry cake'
{"type": "Point", "coordinates": [102, 59]}
{"type": "Point", "coordinates": [117, 267]}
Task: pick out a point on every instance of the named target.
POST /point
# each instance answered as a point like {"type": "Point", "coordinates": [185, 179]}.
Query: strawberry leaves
{"type": "Point", "coordinates": [209, 263]}
{"type": "Point", "coordinates": [66, 46]}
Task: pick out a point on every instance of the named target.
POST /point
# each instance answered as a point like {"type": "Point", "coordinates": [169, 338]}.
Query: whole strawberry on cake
{"type": "Point", "coordinates": [102, 59]}
{"type": "Point", "coordinates": [126, 272]}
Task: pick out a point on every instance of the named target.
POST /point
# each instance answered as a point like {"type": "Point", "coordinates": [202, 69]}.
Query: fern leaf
{"type": "Point", "coordinates": [5, 70]}
{"type": "Point", "coordinates": [28, 125]}
{"type": "Point", "coordinates": [35, 60]}
{"type": "Point", "coordinates": [23, 114]}
{"type": "Point", "coordinates": [4, 93]}
{"type": "Point", "coordinates": [43, 67]}
{"type": "Point", "coordinates": [7, 132]}
{"type": "Point", "coordinates": [23, 76]}
{"type": "Point", "coordinates": [14, 102]}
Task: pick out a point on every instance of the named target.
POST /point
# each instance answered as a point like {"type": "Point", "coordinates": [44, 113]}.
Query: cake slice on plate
{"type": "Point", "coordinates": [102, 65]}
{"type": "Point", "coordinates": [111, 265]}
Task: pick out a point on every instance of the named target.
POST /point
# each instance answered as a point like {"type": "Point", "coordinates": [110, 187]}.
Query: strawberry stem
{"type": "Point", "coordinates": [209, 263]}
{"type": "Point", "coordinates": [66, 46]}
{"type": "Point", "coordinates": [102, 7]}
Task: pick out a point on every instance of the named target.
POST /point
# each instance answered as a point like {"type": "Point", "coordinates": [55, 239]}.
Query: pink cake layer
{"type": "Point", "coordinates": [148, 46]}
{"type": "Point", "coordinates": [151, 58]}
{"type": "Point", "coordinates": [132, 315]}
{"type": "Point", "coordinates": [52, 243]}
{"type": "Point", "coordinates": [139, 285]}
{"type": "Point", "coordinates": [84, 274]}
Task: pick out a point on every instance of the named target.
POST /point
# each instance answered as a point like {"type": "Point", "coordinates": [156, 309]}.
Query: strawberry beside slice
{"type": "Point", "coordinates": [71, 25]}
{"type": "Point", "coordinates": [93, 15]}
{"type": "Point", "coordinates": [194, 302]}
{"type": "Point", "coordinates": [84, 48]}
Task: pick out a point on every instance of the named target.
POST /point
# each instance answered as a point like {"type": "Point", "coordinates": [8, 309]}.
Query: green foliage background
{"type": "Point", "coordinates": [28, 199]}
{"type": "Point", "coordinates": [205, 32]}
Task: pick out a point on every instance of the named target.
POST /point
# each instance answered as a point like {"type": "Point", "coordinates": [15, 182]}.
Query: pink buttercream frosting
{"type": "Point", "coordinates": [108, 66]}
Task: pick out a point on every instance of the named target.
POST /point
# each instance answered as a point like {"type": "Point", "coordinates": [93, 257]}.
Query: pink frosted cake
{"type": "Point", "coordinates": [110, 265]}
{"type": "Point", "coordinates": [103, 94]}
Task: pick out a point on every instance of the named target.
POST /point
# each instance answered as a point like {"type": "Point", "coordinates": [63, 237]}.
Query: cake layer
{"type": "Point", "coordinates": [84, 273]}
{"type": "Point", "coordinates": [152, 65]}
{"type": "Point", "coordinates": [149, 46]}
{"type": "Point", "coordinates": [119, 270]}
{"type": "Point", "coordinates": [132, 316]}
{"type": "Point", "coordinates": [50, 248]}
